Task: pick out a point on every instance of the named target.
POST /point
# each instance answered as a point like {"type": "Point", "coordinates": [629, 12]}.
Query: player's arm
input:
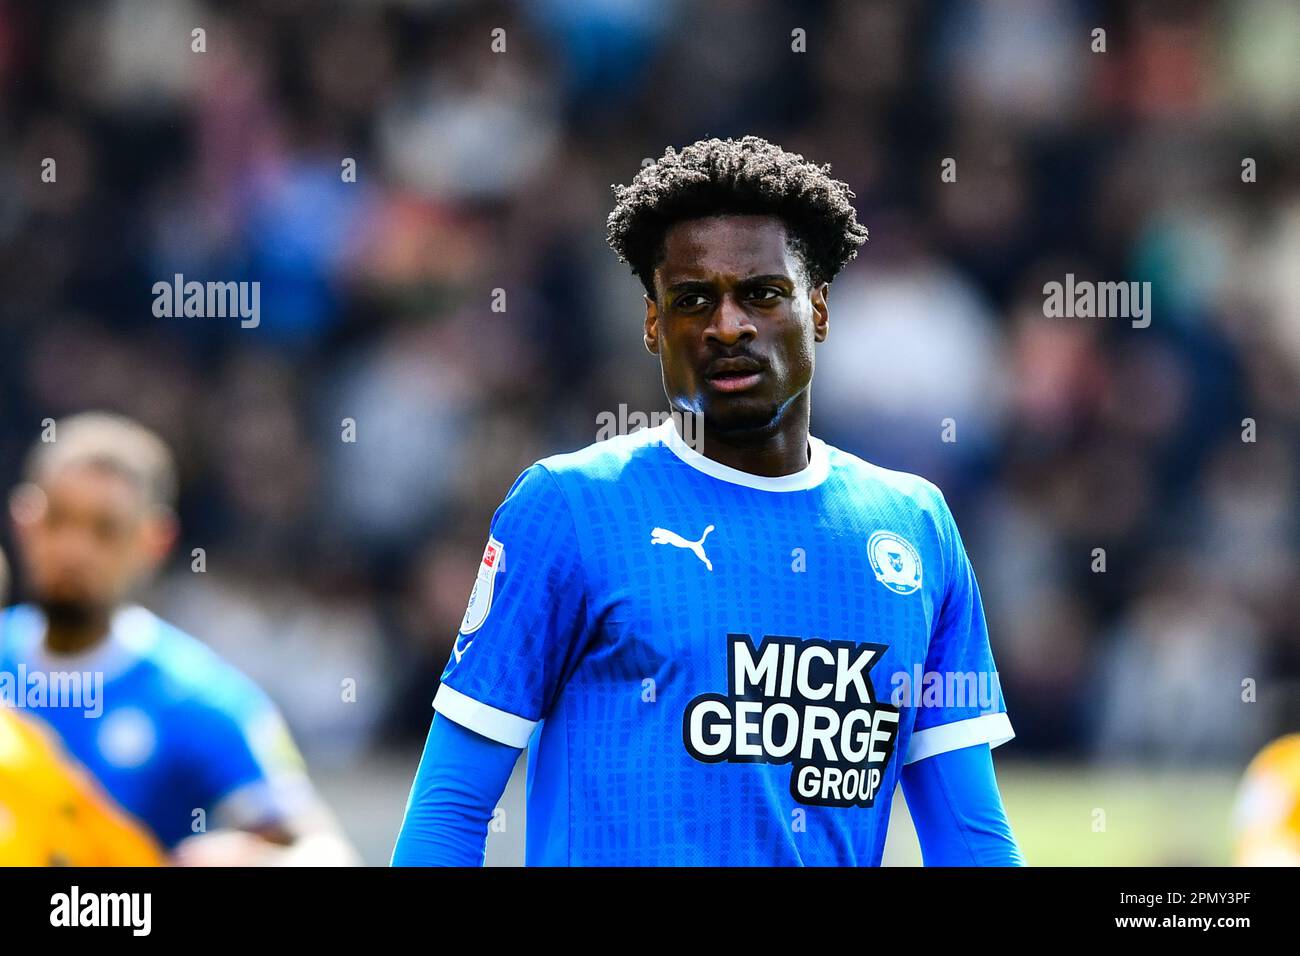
{"type": "Point", "coordinates": [524, 628]}
{"type": "Point", "coordinates": [310, 836]}
{"type": "Point", "coordinates": [460, 779]}
{"type": "Point", "coordinates": [264, 810]}
{"type": "Point", "coordinates": [947, 776]}
{"type": "Point", "coordinates": [957, 810]}
{"type": "Point", "coordinates": [313, 839]}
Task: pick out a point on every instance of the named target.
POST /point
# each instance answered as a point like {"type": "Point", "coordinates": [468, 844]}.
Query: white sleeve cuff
{"type": "Point", "coordinates": [991, 729]}
{"type": "Point", "coordinates": [499, 725]}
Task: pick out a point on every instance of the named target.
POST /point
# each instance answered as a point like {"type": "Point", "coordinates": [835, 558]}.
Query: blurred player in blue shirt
{"type": "Point", "coordinates": [729, 654]}
{"type": "Point", "coordinates": [182, 741]}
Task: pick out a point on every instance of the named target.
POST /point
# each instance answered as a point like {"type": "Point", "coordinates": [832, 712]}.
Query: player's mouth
{"type": "Point", "coordinates": [734, 375]}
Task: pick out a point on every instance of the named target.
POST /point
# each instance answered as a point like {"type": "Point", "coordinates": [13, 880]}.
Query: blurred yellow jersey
{"type": "Point", "coordinates": [1267, 815]}
{"type": "Point", "coordinates": [53, 814]}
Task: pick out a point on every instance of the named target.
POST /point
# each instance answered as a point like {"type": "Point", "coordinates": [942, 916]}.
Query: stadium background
{"type": "Point", "coordinates": [476, 171]}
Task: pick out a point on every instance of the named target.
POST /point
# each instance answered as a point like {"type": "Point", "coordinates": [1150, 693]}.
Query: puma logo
{"type": "Point", "coordinates": [459, 651]}
{"type": "Point", "coordinates": [664, 536]}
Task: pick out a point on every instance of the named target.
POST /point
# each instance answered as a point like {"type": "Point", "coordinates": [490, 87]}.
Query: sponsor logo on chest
{"type": "Point", "coordinates": [807, 703]}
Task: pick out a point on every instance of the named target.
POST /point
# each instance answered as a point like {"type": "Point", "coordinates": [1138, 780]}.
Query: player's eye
{"type": "Point", "coordinates": [688, 302]}
{"type": "Point", "coordinates": [767, 293]}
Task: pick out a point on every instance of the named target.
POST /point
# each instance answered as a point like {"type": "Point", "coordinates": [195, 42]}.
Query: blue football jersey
{"type": "Point", "coordinates": [716, 668]}
{"type": "Point", "coordinates": [180, 739]}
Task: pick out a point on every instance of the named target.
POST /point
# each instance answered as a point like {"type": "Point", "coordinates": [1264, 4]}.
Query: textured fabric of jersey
{"type": "Point", "coordinates": [716, 668]}
{"type": "Point", "coordinates": [177, 737]}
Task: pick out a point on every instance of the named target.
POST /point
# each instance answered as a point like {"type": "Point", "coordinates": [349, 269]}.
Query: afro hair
{"type": "Point", "coordinates": [724, 176]}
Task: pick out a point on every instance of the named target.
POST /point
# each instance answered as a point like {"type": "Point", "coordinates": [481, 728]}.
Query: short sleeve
{"type": "Point", "coordinates": [525, 617]}
{"type": "Point", "coordinates": [971, 709]}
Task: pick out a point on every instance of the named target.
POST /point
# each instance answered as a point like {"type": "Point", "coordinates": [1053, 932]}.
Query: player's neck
{"type": "Point", "coordinates": [784, 451]}
{"type": "Point", "coordinates": [67, 638]}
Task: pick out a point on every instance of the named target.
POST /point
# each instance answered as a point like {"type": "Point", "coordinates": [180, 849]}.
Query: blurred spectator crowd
{"type": "Point", "coordinates": [329, 561]}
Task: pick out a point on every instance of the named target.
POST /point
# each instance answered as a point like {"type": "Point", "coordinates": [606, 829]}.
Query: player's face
{"type": "Point", "coordinates": [734, 322]}
{"type": "Point", "coordinates": [87, 535]}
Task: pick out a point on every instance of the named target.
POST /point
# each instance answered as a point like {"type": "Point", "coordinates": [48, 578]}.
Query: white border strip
{"type": "Point", "coordinates": [991, 729]}
{"type": "Point", "coordinates": [810, 477]}
{"type": "Point", "coordinates": [501, 726]}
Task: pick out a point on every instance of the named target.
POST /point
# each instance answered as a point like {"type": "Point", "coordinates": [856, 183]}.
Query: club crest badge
{"type": "Point", "coordinates": [896, 563]}
{"type": "Point", "coordinates": [480, 599]}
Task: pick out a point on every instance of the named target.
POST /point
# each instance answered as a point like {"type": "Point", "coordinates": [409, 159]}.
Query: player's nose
{"type": "Point", "coordinates": [730, 324]}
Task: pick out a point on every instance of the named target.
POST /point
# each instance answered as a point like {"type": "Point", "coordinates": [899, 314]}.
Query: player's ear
{"type": "Point", "coordinates": [651, 325]}
{"type": "Point", "coordinates": [821, 311]}
{"type": "Point", "coordinates": [26, 506]}
{"type": "Point", "coordinates": [160, 531]}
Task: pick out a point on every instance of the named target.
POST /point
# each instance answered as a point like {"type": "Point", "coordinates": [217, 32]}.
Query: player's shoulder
{"type": "Point", "coordinates": [650, 454]}
{"type": "Point", "coordinates": [184, 671]}
{"type": "Point", "coordinates": [602, 463]}
{"type": "Point", "coordinates": [19, 628]}
{"type": "Point", "coordinates": [606, 457]}
{"type": "Point", "coordinates": [886, 486]}
{"type": "Point", "coordinates": [163, 666]}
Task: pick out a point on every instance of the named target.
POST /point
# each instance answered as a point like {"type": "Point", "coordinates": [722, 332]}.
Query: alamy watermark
{"type": "Point", "coordinates": [41, 690]}
{"type": "Point", "coordinates": [920, 689]}
{"type": "Point", "coordinates": [208, 300]}
{"type": "Point", "coordinates": [75, 908]}
{"type": "Point", "coordinates": [1084, 299]}
{"type": "Point", "coordinates": [690, 425]}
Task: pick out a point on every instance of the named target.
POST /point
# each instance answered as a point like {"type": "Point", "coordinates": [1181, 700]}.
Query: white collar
{"type": "Point", "coordinates": [810, 477]}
